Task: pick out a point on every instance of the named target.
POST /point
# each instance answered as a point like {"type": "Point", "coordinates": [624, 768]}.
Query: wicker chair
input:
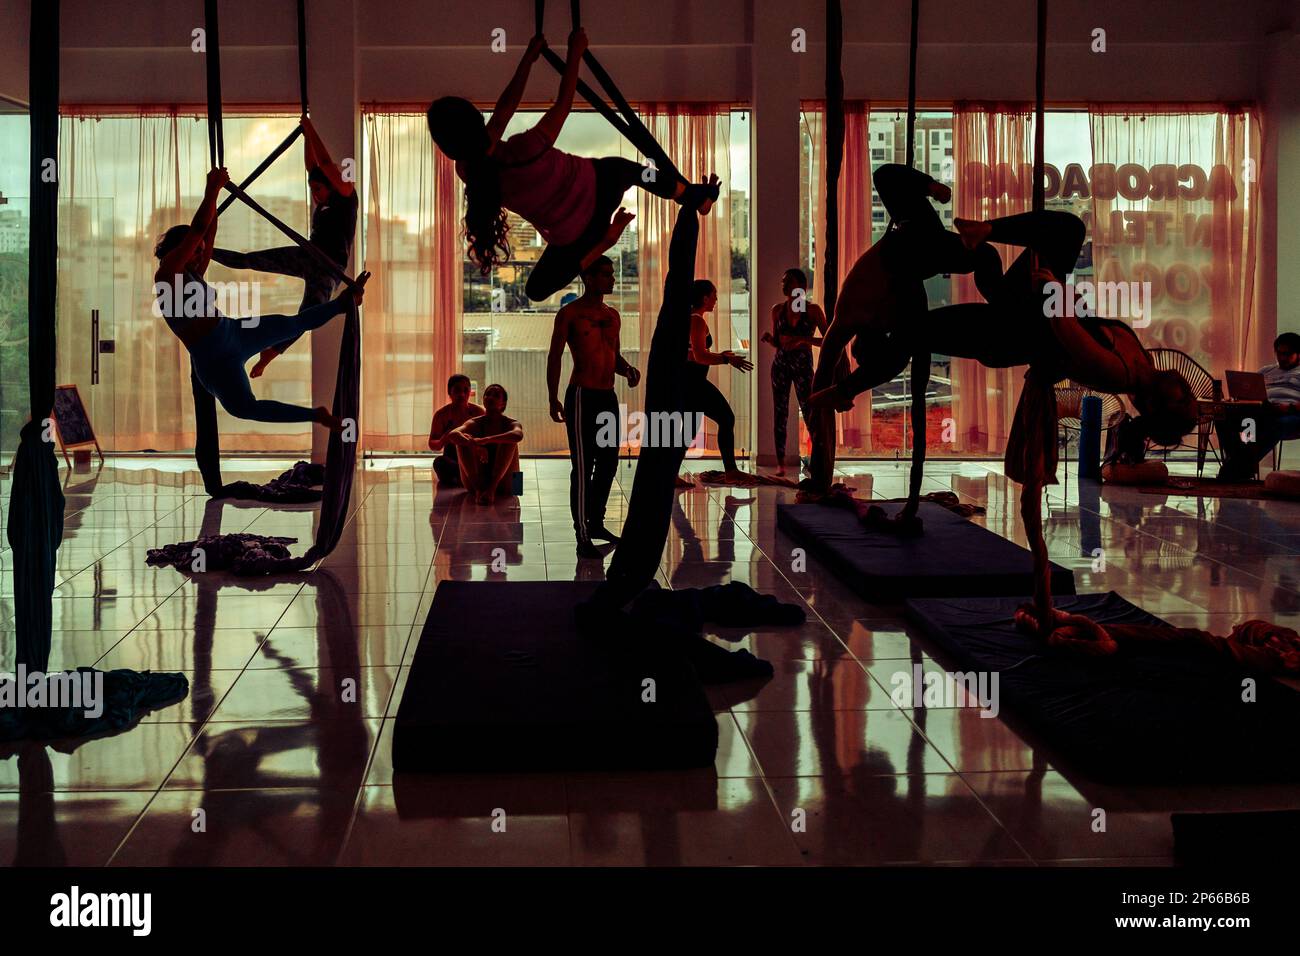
{"type": "Point", "coordinates": [1069, 406]}
{"type": "Point", "coordinates": [1202, 385]}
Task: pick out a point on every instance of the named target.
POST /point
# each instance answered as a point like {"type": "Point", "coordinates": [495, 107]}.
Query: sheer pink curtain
{"type": "Point", "coordinates": [125, 177]}
{"type": "Point", "coordinates": [993, 151]}
{"type": "Point", "coordinates": [853, 427]}
{"type": "Point", "coordinates": [1195, 244]}
{"type": "Point", "coordinates": [413, 328]}
{"type": "Point", "coordinates": [698, 138]}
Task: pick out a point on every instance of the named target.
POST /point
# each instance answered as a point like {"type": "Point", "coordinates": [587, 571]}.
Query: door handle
{"type": "Point", "coordinates": [94, 346]}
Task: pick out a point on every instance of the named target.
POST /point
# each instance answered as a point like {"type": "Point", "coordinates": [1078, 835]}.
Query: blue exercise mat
{"type": "Point", "coordinates": [1150, 713]}
{"type": "Point", "coordinates": [952, 557]}
{"type": "Point", "coordinates": [502, 682]}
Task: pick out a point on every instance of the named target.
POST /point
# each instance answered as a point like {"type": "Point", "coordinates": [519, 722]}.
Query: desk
{"type": "Point", "coordinates": [1216, 410]}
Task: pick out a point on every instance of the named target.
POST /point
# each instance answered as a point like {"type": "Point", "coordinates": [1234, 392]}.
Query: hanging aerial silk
{"type": "Point", "coordinates": [35, 706]}
{"type": "Point", "coordinates": [258, 554]}
{"type": "Point", "coordinates": [36, 501]}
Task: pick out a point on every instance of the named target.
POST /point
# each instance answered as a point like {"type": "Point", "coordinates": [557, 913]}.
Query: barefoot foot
{"type": "Point", "coordinates": [972, 231]}
{"type": "Point", "coordinates": [325, 417]}
{"type": "Point", "coordinates": [702, 196]}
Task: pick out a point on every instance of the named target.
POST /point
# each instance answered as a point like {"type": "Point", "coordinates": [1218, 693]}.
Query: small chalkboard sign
{"type": "Point", "coordinates": [71, 421]}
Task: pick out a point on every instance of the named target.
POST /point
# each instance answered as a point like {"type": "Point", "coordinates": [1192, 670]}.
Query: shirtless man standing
{"type": "Point", "coordinates": [590, 328]}
{"type": "Point", "coordinates": [452, 415]}
{"type": "Point", "coordinates": [488, 448]}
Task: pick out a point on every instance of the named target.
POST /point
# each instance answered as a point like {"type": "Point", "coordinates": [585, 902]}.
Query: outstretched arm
{"type": "Point", "coordinates": [553, 121]}
{"type": "Point", "coordinates": [701, 354]}
{"type": "Point", "coordinates": [508, 103]}
{"type": "Point", "coordinates": [318, 157]}
{"type": "Point", "coordinates": [203, 228]}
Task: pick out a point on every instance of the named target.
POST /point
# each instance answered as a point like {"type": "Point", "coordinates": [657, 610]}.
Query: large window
{"type": "Point", "coordinates": [504, 338]}
{"type": "Point", "coordinates": [885, 430]}
{"type": "Point", "coordinates": [15, 132]}
{"type": "Point", "coordinates": [123, 180]}
{"type": "Point", "coordinates": [1168, 200]}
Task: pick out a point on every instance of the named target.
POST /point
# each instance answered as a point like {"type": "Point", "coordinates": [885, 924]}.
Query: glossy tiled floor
{"type": "Point", "coordinates": [269, 761]}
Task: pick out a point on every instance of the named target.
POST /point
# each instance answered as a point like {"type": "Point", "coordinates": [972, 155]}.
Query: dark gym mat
{"type": "Point", "coordinates": [501, 681]}
{"type": "Point", "coordinates": [951, 558]}
{"type": "Point", "coordinates": [1148, 714]}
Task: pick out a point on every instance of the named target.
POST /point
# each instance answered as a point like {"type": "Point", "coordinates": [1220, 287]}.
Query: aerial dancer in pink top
{"type": "Point", "coordinates": [573, 201]}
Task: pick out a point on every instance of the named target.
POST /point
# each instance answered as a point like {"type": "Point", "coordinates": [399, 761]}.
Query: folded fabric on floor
{"type": "Point", "coordinates": [841, 496]}
{"type": "Point", "coordinates": [103, 702]}
{"type": "Point", "coordinates": [743, 480]}
{"type": "Point", "coordinates": [236, 553]}
{"type": "Point", "coordinates": [301, 483]}
{"type": "Point", "coordinates": [1150, 712]}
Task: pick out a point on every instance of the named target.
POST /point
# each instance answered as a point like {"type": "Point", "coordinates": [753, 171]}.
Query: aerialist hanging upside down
{"type": "Point", "coordinates": [219, 346]}
{"type": "Point", "coordinates": [333, 229]}
{"type": "Point", "coordinates": [882, 310]}
{"type": "Point", "coordinates": [570, 199]}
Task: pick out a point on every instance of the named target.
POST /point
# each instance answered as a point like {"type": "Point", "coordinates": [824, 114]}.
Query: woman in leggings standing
{"type": "Point", "coordinates": [702, 396]}
{"type": "Point", "coordinates": [796, 324]}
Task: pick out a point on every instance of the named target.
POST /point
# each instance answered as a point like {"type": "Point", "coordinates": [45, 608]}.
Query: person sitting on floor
{"type": "Point", "coordinates": [1278, 420]}
{"type": "Point", "coordinates": [488, 449]}
{"type": "Point", "coordinates": [452, 415]}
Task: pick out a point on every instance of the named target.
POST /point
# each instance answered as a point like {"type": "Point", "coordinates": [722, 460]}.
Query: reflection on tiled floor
{"type": "Point", "coordinates": [281, 752]}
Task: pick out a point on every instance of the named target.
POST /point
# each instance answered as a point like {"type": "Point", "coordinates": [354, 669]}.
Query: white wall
{"type": "Point", "coordinates": [138, 50]}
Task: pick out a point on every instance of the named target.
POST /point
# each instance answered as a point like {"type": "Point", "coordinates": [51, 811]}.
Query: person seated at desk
{"type": "Point", "coordinates": [1276, 420]}
{"type": "Point", "coordinates": [488, 449]}
{"type": "Point", "coordinates": [452, 415]}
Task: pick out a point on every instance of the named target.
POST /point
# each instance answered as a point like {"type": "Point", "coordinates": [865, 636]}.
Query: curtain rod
{"type": "Point", "coordinates": [377, 106]}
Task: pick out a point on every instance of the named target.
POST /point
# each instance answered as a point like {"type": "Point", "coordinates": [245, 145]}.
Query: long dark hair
{"type": "Point", "coordinates": [458, 129]}
{"type": "Point", "coordinates": [1167, 409]}
{"type": "Point", "coordinates": [701, 289]}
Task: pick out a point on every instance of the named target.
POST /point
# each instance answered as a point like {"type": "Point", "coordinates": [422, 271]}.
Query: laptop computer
{"type": "Point", "coordinates": [1246, 386]}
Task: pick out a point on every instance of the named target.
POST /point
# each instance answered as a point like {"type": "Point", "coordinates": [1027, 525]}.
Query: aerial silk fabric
{"type": "Point", "coordinates": [36, 502]}
{"type": "Point", "coordinates": [127, 697]}
{"type": "Point", "coordinates": [341, 456]}
{"type": "Point", "coordinates": [267, 555]}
